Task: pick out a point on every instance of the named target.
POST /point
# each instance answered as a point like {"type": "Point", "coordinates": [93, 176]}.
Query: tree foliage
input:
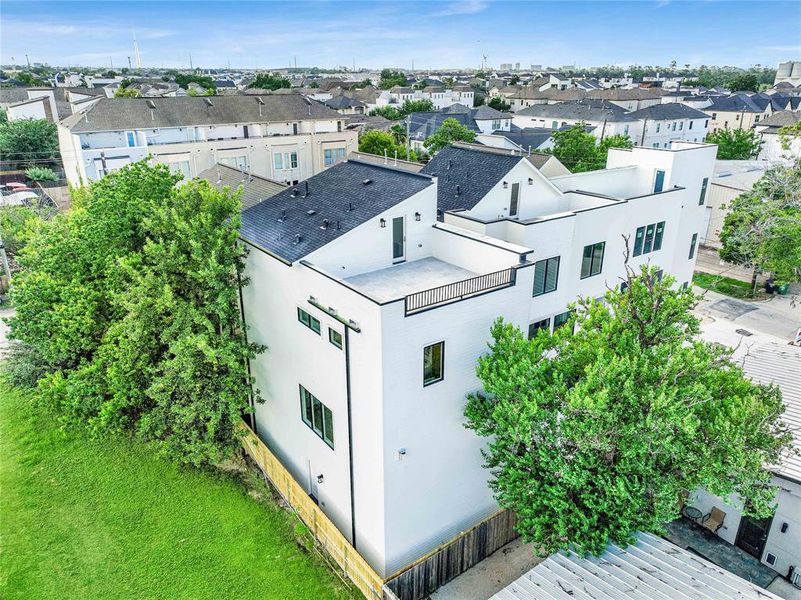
{"type": "Point", "coordinates": [29, 142]}
{"type": "Point", "coordinates": [743, 82]}
{"type": "Point", "coordinates": [127, 92]}
{"type": "Point", "coordinates": [41, 174]}
{"type": "Point", "coordinates": [735, 144]}
{"type": "Point", "coordinates": [268, 81]}
{"type": "Point", "coordinates": [395, 113]}
{"type": "Point", "coordinates": [390, 79]}
{"type": "Point", "coordinates": [762, 229]}
{"type": "Point", "coordinates": [449, 132]}
{"type": "Point", "coordinates": [379, 142]}
{"type": "Point", "coordinates": [499, 103]}
{"type": "Point", "coordinates": [597, 434]}
{"type": "Point", "coordinates": [129, 302]}
{"type": "Point", "coordinates": [184, 79]}
{"type": "Point", "coordinates": [579, 151]}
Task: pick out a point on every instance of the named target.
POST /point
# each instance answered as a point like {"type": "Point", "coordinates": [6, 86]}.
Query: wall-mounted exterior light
{"type": "Point", "coordinates": [505, 184]}
{"type": "Point", "coordinates": [417, 216]}
{"type": "Point", "coordinates": [320, 478]}
{"type": "Point", "coordinates": [383, 222]}
{"type": "Point", "coordinates": [531, 181]}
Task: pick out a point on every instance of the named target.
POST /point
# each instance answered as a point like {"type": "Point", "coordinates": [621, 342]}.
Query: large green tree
{"type": "Point", "coordinates": [735, 144]}
{"type": "Point", "coordinates": [127, 305]}
{"type": "Point", "coordinates": [743, 82]}
{"type": "Point", "coordinates": [579, 151]}
{"type": "Point", "coordinates": [383, 143]}
{"type": "Point", "coordinates": [499, 103]}
{"type": "Point", "coordinates": [268, 81]}
{"type": "Point", "coordinates": [762, 228]}
{"type": "Point", "coordinates": [597, 434]}
{"type": "Point", "coordinates": [390, 78]}
{"type": "Point", "coordinates": [449, 132]}
{"type": "Point", "coordinates": [29, 142]}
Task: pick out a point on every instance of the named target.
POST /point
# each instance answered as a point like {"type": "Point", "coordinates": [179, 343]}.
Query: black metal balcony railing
{"type": "Point", "coordinates": [459, 290]}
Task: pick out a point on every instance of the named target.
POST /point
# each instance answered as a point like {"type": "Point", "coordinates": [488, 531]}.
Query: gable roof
{"type": "Point", "coordinates": [736, 103]}
{"type": "Point", "coordinates": [115, 114]}
{"type": "Point", "coordinates": [254, 188]}
{"type": "Point", "coordinates": [527, 137]}
{"type": "Point", "coordinates": [621, 94]}
{"type": "Point", "coordinates": [471, 169]}
{"type": "Point", "coordinates": [671, 110]}
{"type": "Point", "coordinates": [487, 113]}
{"type": "Point", "coordinates": [423, 124]}
{"type": "Point", "coordinates": [583, 110]}
{"type": "Point", "coordinates": [338, 201]}
{"type": "Point", "coordinates": [339, 102]}
{"type": "Point", "coordinates": [777, 120]}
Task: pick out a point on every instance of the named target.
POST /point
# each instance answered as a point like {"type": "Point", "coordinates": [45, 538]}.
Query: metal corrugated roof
{"type": "Point", "coordinates": [778, 363]}
{"type": "Point", "coordinates": [650, 569]}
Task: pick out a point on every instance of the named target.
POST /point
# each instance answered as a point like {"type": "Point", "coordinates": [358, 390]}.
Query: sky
{"type": "Point", "coordinates": [426, 35]}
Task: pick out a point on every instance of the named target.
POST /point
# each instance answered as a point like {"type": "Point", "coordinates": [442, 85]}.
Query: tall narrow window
{"type": "Point", "coordinates": [638, 238]}
{"type": "Point", "coordinates": [546, 274]}
{"type": "Point", "coordinates": [702, 197]}
{"type": "Point", "coordinates": [515, 201]}
{"type": "Point", "coordinates": [131, 138]}
{"type": "Point", "coordinates": [692, 246]}
{"type": "Point", "coordinates": [433, 363]}
{"type": "Point", "coordinates": [649, 239]}
{"type": "Point", "coordinates": [660, 233]}
{"type": "Point", "coordinates": [659, 181]}
{"type": "Point", "coordinates": [592, 260]}
{"type": "Point", "coordinates": [317, 416]}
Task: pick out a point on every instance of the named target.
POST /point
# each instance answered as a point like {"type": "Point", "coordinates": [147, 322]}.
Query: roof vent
{"type": "Point", "coordinates": [367, 181]}
{"type": "Point", "coordinates": [324, 226]}
{"type": "Point", "coordinates": [458, 190]}
{"type": "Point", "coordinates": [209, 103]}
{"type": "Point", "coordinates": [298, 238]}
{"type": "Point", "coordinates": [338, 226]}
{"type": "Point", "coordinates": [309, 213]}
{"type": "Point", "coordinates": [282, 218]}
{"type": "Point", "coordinates": [450, 164]}
{"type": "Point", "coordinates": [151, 104]}
{"type": "Point", "coordinates": [350, 206]}
{"type": "Point", "coordinates": [294, 192]}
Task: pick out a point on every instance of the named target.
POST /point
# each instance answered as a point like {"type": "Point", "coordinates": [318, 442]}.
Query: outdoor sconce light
{"type": "Point", "coordinates": [320, 478]}
{"type": "Point", "coordinates": [505, 184]}
{"type": "Point", "coordinates": [417, 216]}
{"type": "Point", "coordinates": [784, 527]}
{"type": "Point", "coordinates": [383, 222]}
{"type": "Point", "coordinates": [401, 453]}
{"type": "Point", "coordinates": [531, 181]}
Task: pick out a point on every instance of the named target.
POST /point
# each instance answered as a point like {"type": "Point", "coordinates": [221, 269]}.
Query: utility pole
{"type": "Point", "coordinates": [129, 62]}
{"type": "Point", "coordinates": [191, 68]}
{"type": "Point", "coordinates": [28, 60]}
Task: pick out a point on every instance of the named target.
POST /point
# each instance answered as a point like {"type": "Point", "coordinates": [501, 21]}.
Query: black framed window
{"type": "Point", "coordinates": [692, 246]}
{"type": "Point", "coordinates": [546, 275]}
{"type": "Point", "coordinates": [648, 238]}
{"type": "Point", "coordinates": [648, 244]}
{"type": "Point", "coordinates": [660, 233]}
{"type": "Point", "coordinates": [335, 338]}
{"type": "Point", "coordinates": [317, 416]}
{"type": "Point", "coordinates": [309, 321]}
{"type": "Point", "coordinates": [592, 260]}
{"type": "Point", "coordinates": [561, 319]}
{"type": "Point", "coordinates": [534, 327]}
{"type": "Point", "coordinates": [704, 185]}
{"type": "Point", "coordinates": [433, 363]}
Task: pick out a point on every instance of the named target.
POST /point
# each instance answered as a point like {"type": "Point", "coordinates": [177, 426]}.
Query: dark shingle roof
{"type": "Point", "coordinates": [338, 195]}
{"type": "Point", "coordinates": [486, 113]}
{"type": "Point", "coordinates": [474, 171]}
{"type": "Point", "coordinates": [737, 103]}
{"type": "Point", "coordinates": [254, 188]}
{"type": "Point", "coordinates": [582, 110]}
{"type": "Point", "coordinates": [778, 120]}
{"type": "Point", "coordinates": [424, 124]}
{"type": "Point", "coordinates": [339, 102]}
{"type": "Point", "coordinates": [114, 114]}
{"type": "Point", "coordinates": [527, 137]}
{"type": "Point", "coordinates": [671, 110]}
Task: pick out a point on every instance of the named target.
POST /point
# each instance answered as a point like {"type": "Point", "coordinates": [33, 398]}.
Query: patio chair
{"type": "Point", "coordinates": [713, 520]}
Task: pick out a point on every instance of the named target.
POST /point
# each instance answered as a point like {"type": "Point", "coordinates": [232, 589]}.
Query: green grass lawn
{"type": "Point", "coordinates": [107, 519]}
{"type": "Point", "coordinates": [724, 285]}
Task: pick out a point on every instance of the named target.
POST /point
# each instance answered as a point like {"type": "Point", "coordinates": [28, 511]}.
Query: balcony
{"type": "Point", "coordinates": [459, 290]}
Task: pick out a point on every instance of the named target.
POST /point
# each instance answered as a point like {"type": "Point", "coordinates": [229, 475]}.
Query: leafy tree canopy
{"type": "Point", "coordinates": [579, 151]}
{"type": "Point", "coordinates": [762, 229]}
{"type": "Point", "coordinates": [378, 142]}
{"type": "Point", "coordinates": [268, 81]}
{"type": "Point", "coordinates": [395, 113]}
{"type": "Point", "coordinates": [127, 92]}
{"type": "Point", "coordinates": [499, 103]}
{"type": "Point", "coordinates": [184, 79]}
{"type": "Point", "coordinates": [41, 174]}
{"type": "Point", "coordinates": [390, 78]}
{"type": "Point", "coordinates": [744, 82]}
{"type": "Point", "coordinates": [127, 307]}
{"type": "Point", "coordinates": [450, 131]}
{"type": "Point", "coordinates": [597, 434]}
{"type": "Point", "coordinates": [735, 144]}
{"type": "Point", "coordinates": [29, 142]}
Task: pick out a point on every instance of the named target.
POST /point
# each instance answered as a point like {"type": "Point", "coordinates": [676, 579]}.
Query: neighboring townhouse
{"type": "Point", "coordinates": [281, 137]}
{"type": "Point", "coordinates": [739, 111]}
{"type": "Point", "coordinates": [521, 139]}
{"type": "Point", "coordinates": [730, 179]}
{"type": "Point", "coordinates": [483, 120]}
{"type": "Point", "coordinates": [346, 105]}
{"type": "Point", "coordinates": [52, 104]}
{"type": "Point", "coordinates": [662, 124]}
{"type": "Point", "coordinates": [773, 145]}
{"type": "Point", "coordinates": [374, 288]}
{"type": "Point", "coordinates": [775, 541]}
{"type": "Point", "coordinates": [528, 96]}
{"type": "Point", "coordinates": [630, 100]}
{"type": "Point", "coordinates": [605, 118]}
{"type": "Point", "coordinates": [440, 97]}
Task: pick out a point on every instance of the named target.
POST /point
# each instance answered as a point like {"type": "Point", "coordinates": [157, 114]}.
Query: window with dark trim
{"type": "Point", "coordinates": [317, 416]}
{"type": "Point", "coordinates": [692, 246]}
{"type": "Point", "coordinates": [561, 319]}
{"type": "Point", "coordinates": [546, 275]}
{"type": "Point", "coordinates": [335, 338]}
{"type": "Point", "coordinates": [592, 260]}
{"type": "Point", "coordinates": [648, 238]}
{"type": "Point", "coordinates": [534, 327]}
{"type": "Point", "coordinates": [433, 363]}
{"type": "Point", "coordinates": [702, 198]}
{"type": "Point", "coordinates": [309, 321]}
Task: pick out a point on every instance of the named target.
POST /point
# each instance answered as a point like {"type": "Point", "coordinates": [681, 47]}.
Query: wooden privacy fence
{"type": "Point", "coordinates": [353, 566]}
{"type": "Point", "coordinates": [413, 582]}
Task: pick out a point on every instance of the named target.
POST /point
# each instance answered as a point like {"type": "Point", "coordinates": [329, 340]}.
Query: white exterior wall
{"type": "Point", "coordinates": [786, 547]}
{"type": "Point", "coordinates": [773, 152]}
{"type": "Point", "coordinates": [629, 128]}
{"type": "Point", "coordinates": [487, 125]}
{"type": "Point", "coordinates": [687, 130]}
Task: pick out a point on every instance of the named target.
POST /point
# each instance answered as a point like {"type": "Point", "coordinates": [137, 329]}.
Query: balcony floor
{"type": "Point", "coordinates": [406, 278]}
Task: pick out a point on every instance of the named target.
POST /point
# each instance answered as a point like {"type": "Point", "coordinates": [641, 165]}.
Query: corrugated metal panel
{"type": "Point", "coordinates": [781, 364]}
{"type": "Point", "coordinates": [650, 569]}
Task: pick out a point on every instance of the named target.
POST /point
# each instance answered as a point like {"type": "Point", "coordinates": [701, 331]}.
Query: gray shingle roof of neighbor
{"type": "Point", "coordinates": [487, 113]}
{"type": "Point", "coordinates": [527, 137]}
{"type": "Point", "coordinates": [737, 103]}
{"type": "Point", "coordinates": [338, 102]}
{"type": "Point", "coordinates": [648, 569]}
{"type": "Point", "coordinates": [627, 94]}
{"type": "Point", "coordinates": [671, 110]}
{"type": "Point", "coordinates": [465, 173]}
{"type": "Point", "coordinates": [115, 114]}
{"type": "Point", "coordinates": [291, 226]}
{"type": "Point", "coordinates": [254, 188]}
{"type": "Point", "coordinates": [581, 110]}
{"type": "Point", "coordinates": [423, 124]}
{"type": "Point", "coordinates": [778, 120]}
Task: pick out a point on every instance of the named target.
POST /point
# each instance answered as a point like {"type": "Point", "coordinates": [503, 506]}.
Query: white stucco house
{"type": "Point", "coordinates": [284, 137]}
{"type": "Point", "coordinates": [374, 289]}
{"type": "Point", "coordinates": [773, 148]}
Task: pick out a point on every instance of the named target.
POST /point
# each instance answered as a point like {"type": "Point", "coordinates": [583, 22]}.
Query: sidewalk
{"type": "Point", "coordinates": [708, 261]}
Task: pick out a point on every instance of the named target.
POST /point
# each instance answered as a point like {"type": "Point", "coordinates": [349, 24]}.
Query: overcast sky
{"type": "Point", "coordinates": [380, 34]}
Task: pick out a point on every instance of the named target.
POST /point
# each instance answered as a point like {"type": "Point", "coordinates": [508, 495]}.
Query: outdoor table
{"type": "Point", "coordinates": [693, 513]}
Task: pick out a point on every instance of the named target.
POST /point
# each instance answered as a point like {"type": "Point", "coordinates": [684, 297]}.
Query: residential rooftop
{"type": "Point", "coordinates": [580, 110]}
{"type": "Point", "coordinates": [253, 188]}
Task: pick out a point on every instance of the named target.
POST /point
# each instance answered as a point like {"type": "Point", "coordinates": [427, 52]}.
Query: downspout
{"type": "Point", "coordinates": [252, 416]}
{"type": "Point", "coordinates": [350, 440]}
{"type": "Point", "coordinates": [644, 127]}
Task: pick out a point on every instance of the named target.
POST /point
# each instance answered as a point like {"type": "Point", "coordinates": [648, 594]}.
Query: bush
{"type": "Point", "coordinates": [41, 174]}
{"type": "Point", "coordinates": [16, 226]}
